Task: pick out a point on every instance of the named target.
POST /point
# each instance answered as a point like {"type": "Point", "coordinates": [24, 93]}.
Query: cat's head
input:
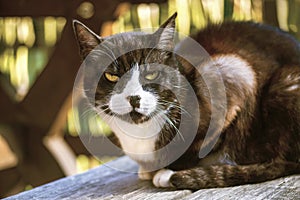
{"type": "Point", "coordinates": [141, 75]}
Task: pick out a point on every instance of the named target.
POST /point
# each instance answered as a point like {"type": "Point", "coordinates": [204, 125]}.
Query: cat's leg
{"type": "Point", "coordinates": [145, 174]}
{"type": "Point", "coordinates": [223, 175]}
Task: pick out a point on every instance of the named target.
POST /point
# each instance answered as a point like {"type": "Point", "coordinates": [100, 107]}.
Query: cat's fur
{"type": "Point", "coordinates": [260, 139]}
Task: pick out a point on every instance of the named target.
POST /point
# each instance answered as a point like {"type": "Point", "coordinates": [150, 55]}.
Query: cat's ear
{"type": "Point", "coordinates": [87, 39]}
{"type": "Point", "coordinates": [166, 33]}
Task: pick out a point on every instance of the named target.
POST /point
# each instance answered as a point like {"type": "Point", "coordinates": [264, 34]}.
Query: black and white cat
{"type": "Point", "coordinates": [141, 93]}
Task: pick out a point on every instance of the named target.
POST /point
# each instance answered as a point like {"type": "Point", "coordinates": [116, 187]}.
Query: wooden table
{"type": "Point", "coordinates": [105, 182]}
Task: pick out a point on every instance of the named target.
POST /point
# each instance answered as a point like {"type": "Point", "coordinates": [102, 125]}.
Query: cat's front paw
{"type": "Point", "coordinates": [162, 178]}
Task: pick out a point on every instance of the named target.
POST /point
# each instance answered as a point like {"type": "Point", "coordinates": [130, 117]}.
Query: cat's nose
{"type": "Point", "coordinates": [134, 101]}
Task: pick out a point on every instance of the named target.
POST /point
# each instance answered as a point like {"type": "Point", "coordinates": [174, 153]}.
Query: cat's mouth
{"type": "Point", "coordinates": [135, 117]}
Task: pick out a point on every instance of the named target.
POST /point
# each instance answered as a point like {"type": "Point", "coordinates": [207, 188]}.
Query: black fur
{"type": "Point", "coordinates": [260, 139]}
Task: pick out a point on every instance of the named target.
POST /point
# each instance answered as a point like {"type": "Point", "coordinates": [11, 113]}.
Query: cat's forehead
{"type": "Point", "coordinates": [136, 59]}
{"type": "Point", "coordinates": [137, 39]}
{"type": "Point", "coordinates": [125, 50]}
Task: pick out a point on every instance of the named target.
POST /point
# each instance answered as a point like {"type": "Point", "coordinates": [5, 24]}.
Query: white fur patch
{"type": "Point", "coordinates": [119, 103]}
{"type": "Point", "coordinates": [137, 140]}
{"type": "Point", "coordinates": [294, 80]}
{"type": "Point", "coordinates": [162, 178]}
{"type": "Point", "coordinates": [293, 87]}
{"type": "Point", "coordinates": [291, 78]}
{"type": "Point", "coordinates": [236, 69]}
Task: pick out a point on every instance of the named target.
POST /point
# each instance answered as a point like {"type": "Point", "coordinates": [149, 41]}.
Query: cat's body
{"type": "Point", "coordinates": [260, 138]}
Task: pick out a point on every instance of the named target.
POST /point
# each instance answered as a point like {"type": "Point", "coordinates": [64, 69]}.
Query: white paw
{"type": "Point", "coordinates": [145, 175]}
{"type": "Point", "coordinates": [162, 178]}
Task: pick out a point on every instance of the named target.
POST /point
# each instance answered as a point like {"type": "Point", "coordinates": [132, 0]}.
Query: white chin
{"type": "Point", "coordinates": [123, 111]}
{"type": "Point", "coordinates": [143, 111]}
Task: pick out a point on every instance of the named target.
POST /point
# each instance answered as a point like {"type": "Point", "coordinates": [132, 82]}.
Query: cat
{"type": "Point", "coordinates": [260, 137]}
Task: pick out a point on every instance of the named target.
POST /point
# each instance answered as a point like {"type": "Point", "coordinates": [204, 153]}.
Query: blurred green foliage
{"type": "Point", "coordinates": [26, 43]}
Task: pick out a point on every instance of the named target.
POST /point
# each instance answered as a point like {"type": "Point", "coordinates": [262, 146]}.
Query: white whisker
{"type": "Point", "coordinates": [166, 103]}
{"type": "Point", "coordinates": [169, 121]}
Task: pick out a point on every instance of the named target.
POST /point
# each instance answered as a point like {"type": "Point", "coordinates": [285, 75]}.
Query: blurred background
{"type": "Point", "coordinates": [38, 64]}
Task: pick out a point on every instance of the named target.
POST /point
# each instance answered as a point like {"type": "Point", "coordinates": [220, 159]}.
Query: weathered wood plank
{"type": "Point", "coordinates": [283, 188]}
{"type": "Point", "coordinates": [102, 183]}
{"type": "Point", "coordinates": [106, 182]}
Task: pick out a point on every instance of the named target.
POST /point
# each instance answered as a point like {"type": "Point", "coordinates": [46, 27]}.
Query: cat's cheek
{"type": "Point", "coordinates": [115, 102]}
{"type": "Point", "coordinates": [148, 104]}
{"type": "Point", "coordinates": [162, 178]}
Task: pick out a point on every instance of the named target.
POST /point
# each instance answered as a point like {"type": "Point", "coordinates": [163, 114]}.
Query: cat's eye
{"type": "Point", "coordinates": [111, 77]}
{"type": "Point", "coordinates": [151, 76]}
